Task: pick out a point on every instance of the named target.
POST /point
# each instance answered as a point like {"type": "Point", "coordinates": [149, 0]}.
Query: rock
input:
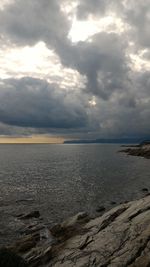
{"type": "Point", "coordinates": [100, 209]}
{"type": "Point", "coordinates": [39, 256]}
{"type": "Point", "coordinates": [30, 215]}
{"type": "Point", "coordinates": [79, 218]}
{"type": "Point", "coordinates": [69, 227]}
{"type": "Point", "coordinates": [32, 229]}
{"type": "Point", "coordinates": [113, 203]}
{"type": "Point", "coordinates": [10, 259]}
{"type": "Point", "coordinates": [118, 238]}
{"type": "Point", "coordinates": [145, 189]}
{"type": "Point", "coordinates": [56, 230]}
{"type": "Point", "coordinates": [142, 151]}
{"type": "Point", "coordinates": [25, 244]}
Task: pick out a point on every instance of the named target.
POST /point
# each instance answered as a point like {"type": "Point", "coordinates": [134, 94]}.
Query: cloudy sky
{"type": "Point", "coordinates": [75, 68]}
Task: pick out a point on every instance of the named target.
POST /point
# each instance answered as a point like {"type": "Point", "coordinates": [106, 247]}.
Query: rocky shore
{"type": "Point", "coordinates": [118, 238]}
{"type": "Point", "coordinates": [142, 150]}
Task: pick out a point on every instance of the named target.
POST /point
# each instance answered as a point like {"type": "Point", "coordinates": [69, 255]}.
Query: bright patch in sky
{"type": "Point", "coordinates": [38, 62]}
{"type": "Point", "coordinates": [82, 30]}
{"type": "Point", "coordinates": [92, 102]}
{"type": "Point", "coordinates": [139, 63]}
{"type": "Point", "coordinates": [27, 61]}
{"type": "Point", "coordinates": [4, 3]}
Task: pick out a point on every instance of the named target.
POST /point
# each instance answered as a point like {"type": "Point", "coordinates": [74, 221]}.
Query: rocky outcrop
{"type": "Point", "coordinates": [118, 238]}
{"type": "Point", "coordinates": [141, 151]}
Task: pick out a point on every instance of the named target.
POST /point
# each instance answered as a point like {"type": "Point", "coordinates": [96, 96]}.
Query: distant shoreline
{"type": "Point", "coordinates": [142, 150]}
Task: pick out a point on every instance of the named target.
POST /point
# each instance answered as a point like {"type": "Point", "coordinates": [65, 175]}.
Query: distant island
{"type": "Point", "coordinates": [106, 141]}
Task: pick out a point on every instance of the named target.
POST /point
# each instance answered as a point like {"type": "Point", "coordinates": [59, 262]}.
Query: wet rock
{"type": "Point", "coordinates": [56, 230]}
{"type": "Point", "coordinates": [26, 243]}
{"type": "Point", "coordinates": [10, 259]}
{"type": "Point", "coordinates": [79, 218]}
{"type": "Point", "coordinates": [100, 209]}
{"type": "Point", "coordinates": [39, 256]}
{"type": "Point", "coordinates": [30, 215]}
{"type": "Point", "coordinates": [113, 203]}
{"type": "Point", "coordinates": [145, 190]}
{"type": "Point", "coordinates": [70, 226]}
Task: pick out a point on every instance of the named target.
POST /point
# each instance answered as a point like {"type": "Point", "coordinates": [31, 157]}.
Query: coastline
{"type": "Point", "coordinates": [142, 150]}
{"type": "Point", "coordinates": [118, 238]}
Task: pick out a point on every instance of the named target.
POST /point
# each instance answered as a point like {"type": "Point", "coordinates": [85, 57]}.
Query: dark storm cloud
{"type": "Point", "coordinates": [104, 65]}
{"type": "Point", "coordinates": [34, 103]}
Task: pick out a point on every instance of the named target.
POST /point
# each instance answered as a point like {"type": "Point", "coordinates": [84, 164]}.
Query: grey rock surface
{"type": "Point", "coordinates": [119, 238]}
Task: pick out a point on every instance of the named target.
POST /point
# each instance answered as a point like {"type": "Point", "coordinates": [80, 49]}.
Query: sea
{"type": "Point", "coordinates": [61, 180]}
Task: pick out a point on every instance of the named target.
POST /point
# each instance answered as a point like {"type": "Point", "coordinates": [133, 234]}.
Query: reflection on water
{"type": "Point", "coordinates": [61, 180]}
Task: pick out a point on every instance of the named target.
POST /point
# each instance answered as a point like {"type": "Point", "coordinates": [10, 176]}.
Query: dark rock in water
{"type": "Point", "coordinates": [145, 189]}
{"type": "Point", "coordinates": [10, 259]}
{"type": "Point", "coordinates": [32, 214]}
{"type": "Point", "coordinates": [19, 215]}
{"type": "Point", "coordinates": [100, 209]}
{"type": "Point", "coordinates": [113, 203]}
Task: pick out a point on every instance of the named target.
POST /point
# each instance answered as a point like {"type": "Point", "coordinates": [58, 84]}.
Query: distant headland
{"type": "Point", "coordinates": [106, 141]}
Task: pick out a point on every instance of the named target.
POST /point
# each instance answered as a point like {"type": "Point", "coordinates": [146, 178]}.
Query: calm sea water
{"type": "Point", "coordinates": [60, 180]}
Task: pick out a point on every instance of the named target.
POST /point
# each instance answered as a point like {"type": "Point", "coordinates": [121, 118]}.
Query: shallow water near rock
{"type": "Point", "coordinates": [61, 180]}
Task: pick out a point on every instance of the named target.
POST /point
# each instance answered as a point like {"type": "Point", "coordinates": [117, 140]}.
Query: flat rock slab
{"type": "Point", "coordinates": [119, 238]}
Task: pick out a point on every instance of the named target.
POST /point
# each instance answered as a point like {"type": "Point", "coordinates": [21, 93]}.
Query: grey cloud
{"type": "Point", "coordinates": [33, 106]}
{"type": "Point", "coordinates": [105, 65]}
{"type": "Point", "coordinates": [87, 7]}
{"type": "Point", "coordinates": [122, 95]}
{"type": "Point", "coordinates": [137, 15]}
{"type": "Point", "coordinates": [34, 103]}
{"type": "Point", "coordinates": [27, 22]}
{"type": "Point", "coordinates": [146, 55]}
{"type": "Point", "coordinates": [103, 60]}
{"type": "Point", "coordinates": [97, 7]}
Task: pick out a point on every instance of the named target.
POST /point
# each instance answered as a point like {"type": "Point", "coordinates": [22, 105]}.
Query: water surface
{"type": "Point", "coordinates": [61, 180]}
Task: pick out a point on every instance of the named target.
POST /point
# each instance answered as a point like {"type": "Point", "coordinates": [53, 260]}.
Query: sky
{"type": "Point", "coordinates": [74, 69]}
